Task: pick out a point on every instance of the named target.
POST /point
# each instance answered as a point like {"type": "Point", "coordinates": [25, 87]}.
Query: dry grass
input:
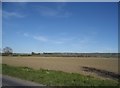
{"type": "Point", "coordinates": [67, 64]}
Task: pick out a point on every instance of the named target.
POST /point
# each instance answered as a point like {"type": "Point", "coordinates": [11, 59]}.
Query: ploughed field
{"type": "Point", "coordinates": [97, 66]}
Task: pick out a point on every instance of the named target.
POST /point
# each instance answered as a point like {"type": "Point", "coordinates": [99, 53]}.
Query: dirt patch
{"type": "Point", "coordinates": [103, 73]}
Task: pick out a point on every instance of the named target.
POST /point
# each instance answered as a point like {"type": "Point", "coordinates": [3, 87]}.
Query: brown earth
{"type": "Point", "coordinates": [67, 64]}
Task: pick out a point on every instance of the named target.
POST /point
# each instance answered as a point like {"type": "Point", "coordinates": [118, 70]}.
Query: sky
{"type": "Point", "coordinates": [77, 27]}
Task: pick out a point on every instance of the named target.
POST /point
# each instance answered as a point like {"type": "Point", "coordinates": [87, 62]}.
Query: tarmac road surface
{"type": "Point", "coordinates": [12, 81]}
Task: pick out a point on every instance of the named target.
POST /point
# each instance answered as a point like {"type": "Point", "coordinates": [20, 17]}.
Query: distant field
{"type": "Point", "coordinates": [66, 64]}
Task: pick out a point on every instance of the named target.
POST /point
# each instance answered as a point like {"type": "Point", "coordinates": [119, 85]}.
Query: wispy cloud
{"type": "Point", "coordinates": [64, 40]}
{"type": "Point", "coordinates": [58, 11]}
{"type": "Point", "coordinates": [7, 14]}
{"type": "Point", "coordinates": [107, 49]}
{"type": "Point", "coordinates": [54, 13]}
{"type": "Point", "coordinates": [17, 0]}
{"type": "Point", "coordinates": [58, 42]}
{"type": "Point", "coordinates": [26, 34]}
{"type": "Point", "coordinates": [40, 38]}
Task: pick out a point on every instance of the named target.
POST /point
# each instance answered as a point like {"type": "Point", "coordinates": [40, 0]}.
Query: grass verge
{"type": "Point", "coordinates": [54, 78]}
{"type": "Point", "coordinates": [0, 68]}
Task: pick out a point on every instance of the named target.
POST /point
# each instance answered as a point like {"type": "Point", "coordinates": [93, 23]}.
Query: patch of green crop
{"type": "Point", "coordinates": [55, 78]}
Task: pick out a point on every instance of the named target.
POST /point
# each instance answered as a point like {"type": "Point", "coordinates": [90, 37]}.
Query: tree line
{"type": "Point", "coordinates": [8, 51]}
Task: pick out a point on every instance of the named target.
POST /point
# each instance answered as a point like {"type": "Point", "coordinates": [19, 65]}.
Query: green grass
{"type": "Point", "coordinates": [0, 68]}
{"type": "Point", "coordinates": [55, 78]}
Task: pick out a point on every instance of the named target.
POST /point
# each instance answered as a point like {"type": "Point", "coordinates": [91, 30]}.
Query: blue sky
{"type": "Point", "coordinates": [60, 27]}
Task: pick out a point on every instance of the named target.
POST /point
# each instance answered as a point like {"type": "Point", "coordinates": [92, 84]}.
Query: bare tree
{"type": "Point", "coordinates": [0, 50]}
{"type": "Point", "coordinates": [33, 53]}
{"type": "Point", "coordinates": [7, 51]}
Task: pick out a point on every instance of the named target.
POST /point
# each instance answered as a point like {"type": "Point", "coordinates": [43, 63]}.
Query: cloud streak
{"type": "Point", "coordinates": [26, 34]}
{"type": "Point", "coordinates": [82, 42]}
{"type": "Point", "coordinates": [40, 38]}
{"type": "Point", "coordinates": [58, 42]}
{"type": "Point", "coordinates": [7, 14]}
{"type": "Point", "coordinates": [57, 11]}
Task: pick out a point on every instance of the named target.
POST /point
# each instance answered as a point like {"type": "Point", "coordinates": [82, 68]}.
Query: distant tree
{"type": "Point", "coordinates": [7, 51]}
{"type": "Point", "coordinates": [0, 50]}
{"type": "Point", "coordinates": [38, 53]}
{"type": "Point", "coordinates": [33, 53]}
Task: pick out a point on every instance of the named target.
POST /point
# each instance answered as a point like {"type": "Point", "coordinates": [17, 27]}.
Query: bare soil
{"type": "Point", "coordinates": [66, 64]}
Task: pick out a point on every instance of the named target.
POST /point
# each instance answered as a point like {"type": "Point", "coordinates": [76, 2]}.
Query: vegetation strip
{"type": "Point", "coordinates": [55, 78]}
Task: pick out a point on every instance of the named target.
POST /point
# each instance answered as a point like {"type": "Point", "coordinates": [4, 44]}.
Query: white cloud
{"type": "Point", "coordinates": [107, 49]}
{"type": "Point", "coordinates": [48, 12]}
{"type": "Point", "coordinates": [41, 38]}
{"type": "Point", "coordinates": [58, 11]}
{"type": "Point", "coordinates": [58, 42]}
{"type": "Point", "coordinates": [7, 14]}
{"type": "Point", "coordinates": [26, 34]}
{"type": "Point", "coordinates": [17, 0]}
